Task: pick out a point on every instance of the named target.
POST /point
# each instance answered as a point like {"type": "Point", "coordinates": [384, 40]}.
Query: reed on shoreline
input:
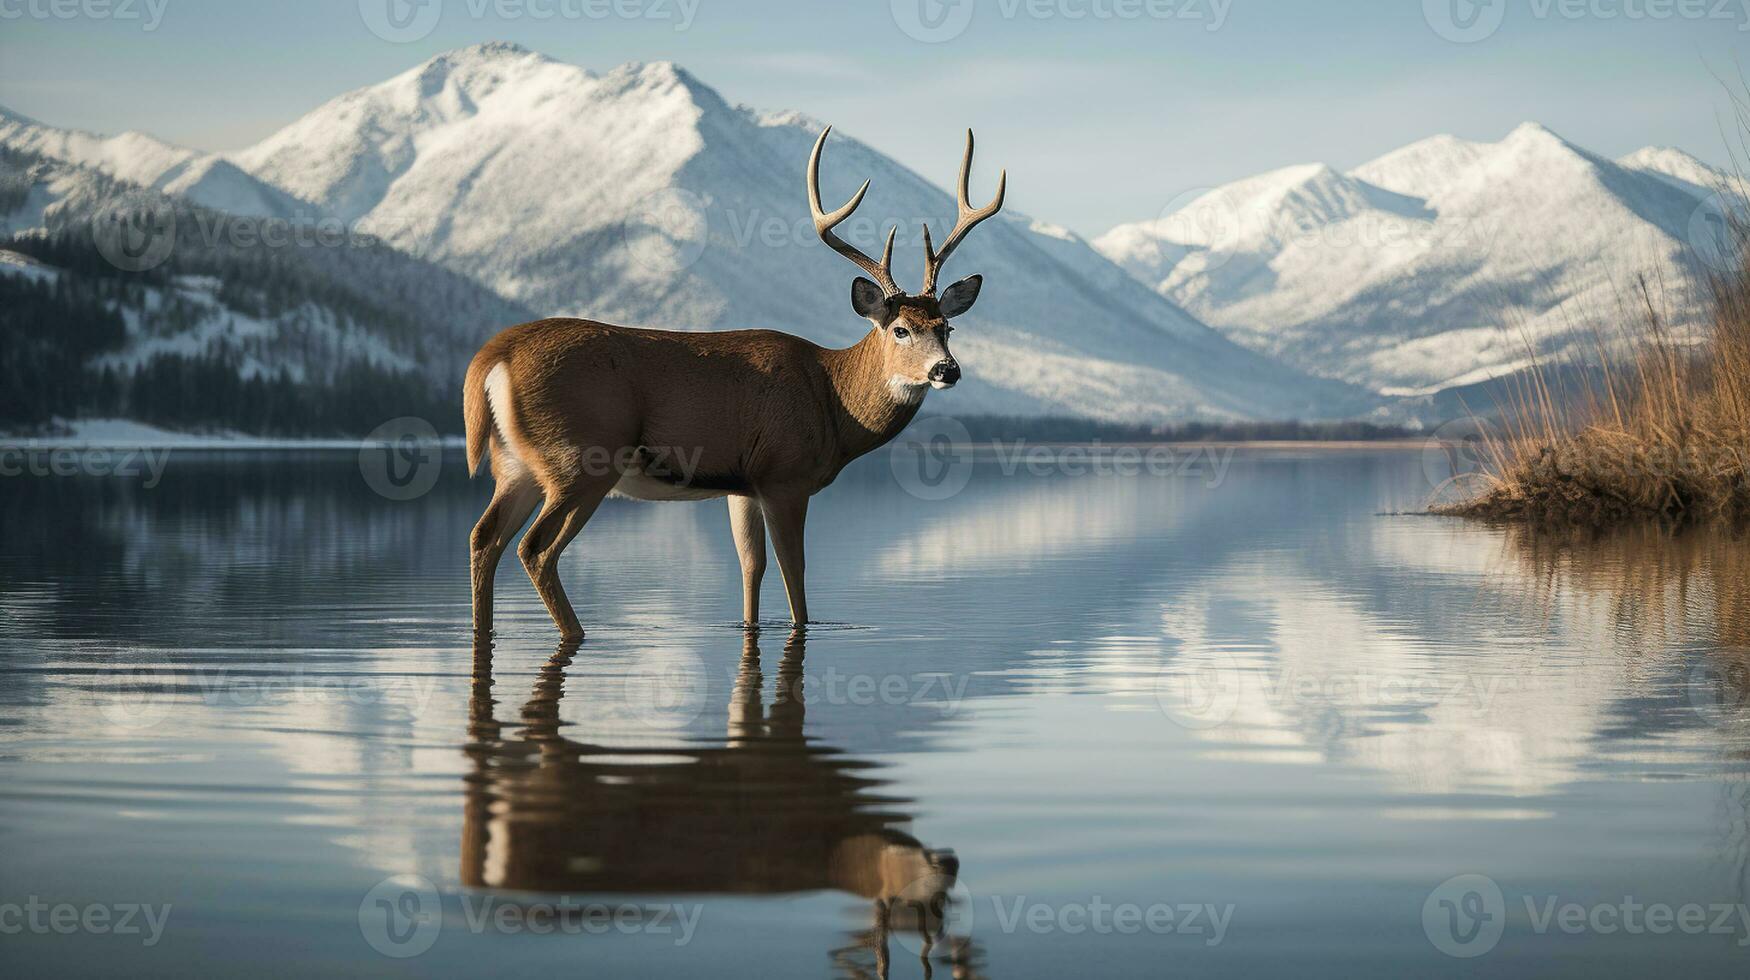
{"type": "Point", "coordinates": [1664, 434]}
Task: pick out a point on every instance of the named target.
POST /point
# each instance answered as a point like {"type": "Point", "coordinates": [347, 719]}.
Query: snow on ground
{"type": "Point", "coordinates": [18, 264]}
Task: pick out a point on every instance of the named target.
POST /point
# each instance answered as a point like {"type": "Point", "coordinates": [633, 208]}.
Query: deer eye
{"type": "Point", "coordinates": [900, 333]}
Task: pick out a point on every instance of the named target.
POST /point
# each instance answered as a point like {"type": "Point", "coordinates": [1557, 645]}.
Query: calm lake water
{"type": "Point", "coordinates": [1229, 717]}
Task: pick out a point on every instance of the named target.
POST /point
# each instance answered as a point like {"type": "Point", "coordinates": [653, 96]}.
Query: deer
{"type": "Point", "coordinates": [546, 812]}
{"type": "Point", "coordinates": [570, 411]}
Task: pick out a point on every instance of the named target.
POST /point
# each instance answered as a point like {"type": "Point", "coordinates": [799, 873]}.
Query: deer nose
{"type": "Point", "coordinates": [944, 861]}
{"type": "Point", "coordinates": [945, 372]}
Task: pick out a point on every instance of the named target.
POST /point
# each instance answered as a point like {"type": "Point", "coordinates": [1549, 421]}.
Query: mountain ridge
{"type": "Point", "coordinates": [640, 195]}
{"type": "Point", "coordinates": [1495, 255]}
{"type": "Point", "coordinates": [139, 158]}
{"type": "Point", "coordinates": [200, 328]}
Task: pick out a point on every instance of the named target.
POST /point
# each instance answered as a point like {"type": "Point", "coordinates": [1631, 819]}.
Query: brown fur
{"type": "Point", "coordinates": [476, 417]}
{"type": "Point", "coordinates": [759, 414]}
{"type": "Point", "coordinates": [746, 397]}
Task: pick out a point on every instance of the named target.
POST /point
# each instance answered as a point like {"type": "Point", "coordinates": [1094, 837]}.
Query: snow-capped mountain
{"type": "Point", "coordinates": [640, 196]}
{"type": "Point", "coordinates": [1443, 263]}
{"type": "Point", "coordinates": [1682, 170]}
{"type": "Point", "coordinates": [215, 329]}
{"type": "Point", "coordinates": [204, 178]}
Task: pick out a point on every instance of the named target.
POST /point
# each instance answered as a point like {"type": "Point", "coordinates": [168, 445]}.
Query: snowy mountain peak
{"type": "Point", "coordinates": [639, 196]}
{"type": "Point", "coordinates": [1316, 194]}
{"type": "Point", "coordinates": [1538, 139]}
{"type": "Point", "coordinates": [1531, 145]}
{"type": "Point", "coordinates": [450, 84]}
{"type": "Point", "coordinates": [1532, 130]}
{"type": "Point", "coordinates": [487, 51]}
{"type": "Point", "coordinates": [478, 62]}
{"type": "Point", "coordinates": [487, 106]}
{"type": "Point", "coordinates": [1677, 168]}
{"type": "Point", "coordinates": [664, 78]}
{"type": "Point", "coordinates": [143, 159]}
{"type": "Point", "coordinates": [479, 71]}
{"type": "Point", "coordinates": [1422, 168]}
{"type": "Point", "coordinates": [1432, 266]}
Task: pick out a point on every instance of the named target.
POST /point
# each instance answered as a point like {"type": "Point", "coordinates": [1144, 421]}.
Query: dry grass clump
{"type": "Point", "coordinates": [1667, 436]}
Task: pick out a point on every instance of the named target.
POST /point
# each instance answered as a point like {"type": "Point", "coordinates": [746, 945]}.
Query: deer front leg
{"type": "Point", "coordinates": [748, 524]}
{"type": "Point", "coordinates": [785, 516]}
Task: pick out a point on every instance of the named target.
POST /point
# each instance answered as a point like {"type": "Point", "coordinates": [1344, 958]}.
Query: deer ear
{"type": "Point", "coordinates": [958, 298]}
{"type": "Point", "coordinates": [868, 299]}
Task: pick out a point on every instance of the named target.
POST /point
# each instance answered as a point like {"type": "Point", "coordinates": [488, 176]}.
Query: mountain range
{"type": "Point", "coordinates": [1440, 264]}
{"type": "Point", "coordinates": [524, 186]}
{"type": "Point", "coordinates": [216, 322]}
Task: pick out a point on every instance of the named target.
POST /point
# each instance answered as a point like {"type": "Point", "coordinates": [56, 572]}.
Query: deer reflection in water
{"type": "Point", "coordinates": [769, 812]}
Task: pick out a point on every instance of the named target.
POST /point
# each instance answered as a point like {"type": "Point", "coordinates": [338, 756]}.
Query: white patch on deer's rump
{"type": "Point", "coordinates": [498, 405]}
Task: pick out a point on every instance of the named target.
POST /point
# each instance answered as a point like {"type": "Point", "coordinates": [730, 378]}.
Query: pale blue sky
{"type": "Point", "coordinates": [1100, 119]}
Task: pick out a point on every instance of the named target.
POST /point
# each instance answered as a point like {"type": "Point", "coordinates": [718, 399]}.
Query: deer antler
{"type": "Point", "coordinates": [881, 272]}
{"type": "Point", "coordinates": [968, 220]}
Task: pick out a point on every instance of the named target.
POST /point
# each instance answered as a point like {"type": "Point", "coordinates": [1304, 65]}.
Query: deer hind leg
{"type": "Point", "coordinates": [785, 517]}
{"type": "Point", "coordinates": [748, 524]}
{"type": "Point", "coordinates": [568, 508]}
{"type": "Point", "coordinates": [513, 500]}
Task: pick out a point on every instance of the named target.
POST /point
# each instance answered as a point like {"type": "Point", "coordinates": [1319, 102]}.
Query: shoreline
{"type": "Point", "coordinates": [187, 442]}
